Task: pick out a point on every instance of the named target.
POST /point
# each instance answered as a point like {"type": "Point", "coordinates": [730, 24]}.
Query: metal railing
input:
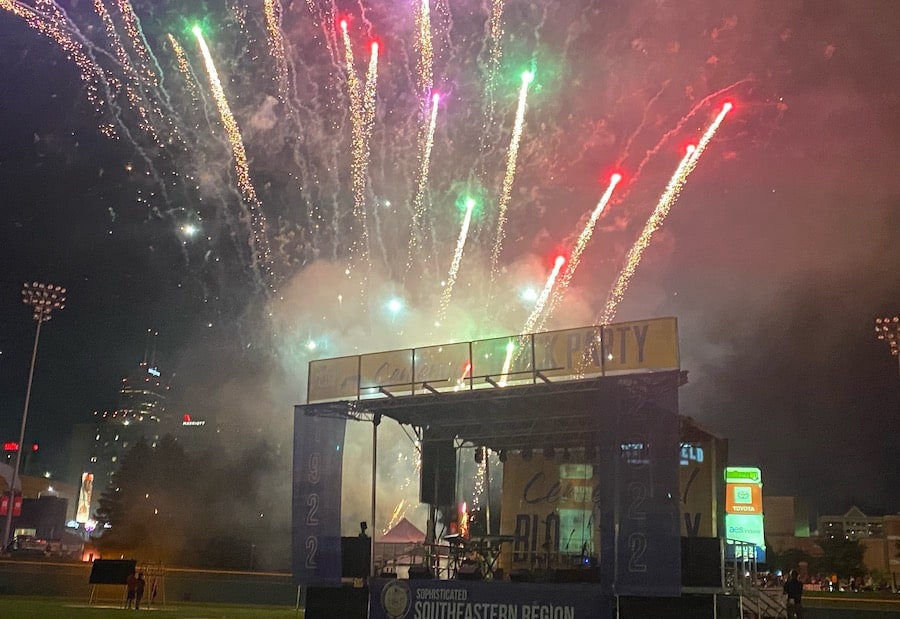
{"type": "Point", "coordinates": [498, 362]}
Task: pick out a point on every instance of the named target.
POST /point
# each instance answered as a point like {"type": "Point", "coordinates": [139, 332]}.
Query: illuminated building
{"type": "Point", "coordinates": [142, 396]}
{"type": "Point", "coordinates": [98, 447]}
{"type": "Point", "coordinates": [43, 507]}
{"type": "Point", "coordinates": [853, 525]}
{"type": "Point", "coordinates": [193, 433]}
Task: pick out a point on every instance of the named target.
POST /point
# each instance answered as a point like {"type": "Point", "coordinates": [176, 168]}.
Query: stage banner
{"type": "Point", "coordinates": [642, 539]}
{"type": "Point", "coordinates": [83, 511]}
{"type": "Point", "coordinates": [434, 599]}
{"type": "Point", "coordinates": [316, 513]}
{"type": "Point", "coordinates": [548, 512]}
{"type": "Point", "coordinates": [17, 505]}
{"type": "Point", "coordinates": [333, 379]}
{"type": "Point", "coordinates": [697, 488]}
{"type": "Point", "coordinates": [619, 348]}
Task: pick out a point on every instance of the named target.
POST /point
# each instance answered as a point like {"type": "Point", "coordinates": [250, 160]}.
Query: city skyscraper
{"type": "Point", "coordinates": [97, 447]}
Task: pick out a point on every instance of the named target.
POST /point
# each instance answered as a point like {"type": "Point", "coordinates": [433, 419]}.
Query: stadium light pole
{"type": "Point", "coordinates": [887, 329]}
{"type": "Point", "coordinates": [43, 299]}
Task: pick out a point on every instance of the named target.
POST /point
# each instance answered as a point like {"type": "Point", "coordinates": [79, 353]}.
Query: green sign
{"type": "Point", "coordinates": [743, 475]}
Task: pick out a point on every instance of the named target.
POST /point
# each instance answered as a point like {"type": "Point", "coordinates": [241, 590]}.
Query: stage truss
{"type": "Point", "coordinates": [560, 415]}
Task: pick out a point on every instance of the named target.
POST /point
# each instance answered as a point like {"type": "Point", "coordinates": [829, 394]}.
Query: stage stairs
{"type": "Point", "coordinates": [763, 604]}
{"type": "Point", "coordinates": [741, 578]}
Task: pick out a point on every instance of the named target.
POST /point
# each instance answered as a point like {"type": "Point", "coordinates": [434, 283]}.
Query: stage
{"type": "Point", "coordinates": [585, 423]}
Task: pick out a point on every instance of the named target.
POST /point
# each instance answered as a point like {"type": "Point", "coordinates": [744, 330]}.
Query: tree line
{"type": "Point", "coordinates": [212, 509]}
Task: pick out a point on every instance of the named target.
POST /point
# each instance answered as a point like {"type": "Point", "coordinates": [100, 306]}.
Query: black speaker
{"type": "Point", "coordinates": [701, 560]}
{"type": "Point", "coordinates": [355, 556]}
{"type": "Point", "coordinates": [468, 571]}
{"type": "Point", "coordinates": [420, 572]}
{"type": "Point", "coordinates": [587, 574]}
{"type": "Point", "coordinates": [521, 575]}
{"type": "Point", "coordinates": [438, 481]}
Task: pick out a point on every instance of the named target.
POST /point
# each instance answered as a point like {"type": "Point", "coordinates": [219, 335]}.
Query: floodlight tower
{"type": "Point", "coordinates": [887, 329]}
{"type": "Point", "coordinates": [43, 299]}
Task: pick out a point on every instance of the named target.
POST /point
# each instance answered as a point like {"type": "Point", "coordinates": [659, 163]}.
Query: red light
{"type": "Point", "coordinates": [556, 255]}
{"type": "Point", "coordinates": [186, 417]}
{"type": "Point", "coordinates": [34, 447]}
{"type": "Point", "coordinates": [467, 368]}
{"type": "Point", "coordinates": [727, 106]}
{"type": "Point", "coordinates": [374, 47]}
{"type": "Point", "coordinates": [10, 446]}
{"type": "Point", "coordinates": [610, 176]}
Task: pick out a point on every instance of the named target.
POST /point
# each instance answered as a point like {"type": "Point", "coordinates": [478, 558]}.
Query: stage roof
{"type": "Point", "coordinates": [559, 415]}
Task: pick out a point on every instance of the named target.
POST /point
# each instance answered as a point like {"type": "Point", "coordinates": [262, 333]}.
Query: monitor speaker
{"type": "Point", "coordinates": [468, 571]}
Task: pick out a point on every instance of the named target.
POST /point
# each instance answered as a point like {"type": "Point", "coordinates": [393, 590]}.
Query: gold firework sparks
{"type": "Point", "coordinates": [274, 13]}
{"type": "Point", "coordinates": [51, 26]}
{"type": "Point", "coordinates": [457, 258]}
{"type": "Point", "coordinates": [510, 175]}
{"type": "Point", "coordinates": [242, 168]}
{"type": "Point", "coordinates": [575, 257]}
{"type": "Point", "coordinates": [425, 57]}
{"type": "Point", "coordinates": [545, 294]}
{"type": "Point", "coordinates": [184, 67]}
{"type": "Point", "coordinates": [668, 198]}
{"type": "Point", "coordinates": [362, 116]}
{"type": "Point", "coordinates": [422, 184]}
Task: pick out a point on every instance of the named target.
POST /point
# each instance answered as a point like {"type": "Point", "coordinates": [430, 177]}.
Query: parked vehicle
{"type": "Point", "coordinates": [34, 546]}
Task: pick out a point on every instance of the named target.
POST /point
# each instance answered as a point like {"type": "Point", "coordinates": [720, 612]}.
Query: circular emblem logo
{"type": "Point", "coordinates": [395, 599]}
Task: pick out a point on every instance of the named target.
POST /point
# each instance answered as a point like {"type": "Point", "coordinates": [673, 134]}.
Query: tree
{"type": "Point", "coordinates": [139, 511]}
{"type": "Point", "coordinates": [841, 556]}
{"type": "Point", "coordinates": [115, 509]}
{"type": "Point", "coordinates": [214, 509]}
{"type": "Point", "coordinates": [788, 559]}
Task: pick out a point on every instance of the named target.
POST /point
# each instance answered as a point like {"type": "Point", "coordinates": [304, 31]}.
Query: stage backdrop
{"type": "Point", "coordinates": [318, 469]}
{"type": "Point", "coordinates": [548, 509]}
{"type": "Point", "coordinates": [699, 479]}
{"type": "Point", "coordinates": [617, 508]}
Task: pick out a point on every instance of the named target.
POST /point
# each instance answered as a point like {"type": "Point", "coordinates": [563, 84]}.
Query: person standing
{"type": "Point", "coordinates": [130, 584]}
{"type": "Point", "coordinates": [139, 590]}
{"type": "Point", "coordinates": [793, 589]}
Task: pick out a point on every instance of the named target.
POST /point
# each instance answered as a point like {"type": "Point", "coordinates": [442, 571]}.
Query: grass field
{"type": "Point", "coordinates": [12, 607]}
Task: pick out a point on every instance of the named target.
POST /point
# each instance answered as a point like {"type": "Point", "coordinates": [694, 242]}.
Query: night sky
{"type": "Point", "coordinates": [776, 258]}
